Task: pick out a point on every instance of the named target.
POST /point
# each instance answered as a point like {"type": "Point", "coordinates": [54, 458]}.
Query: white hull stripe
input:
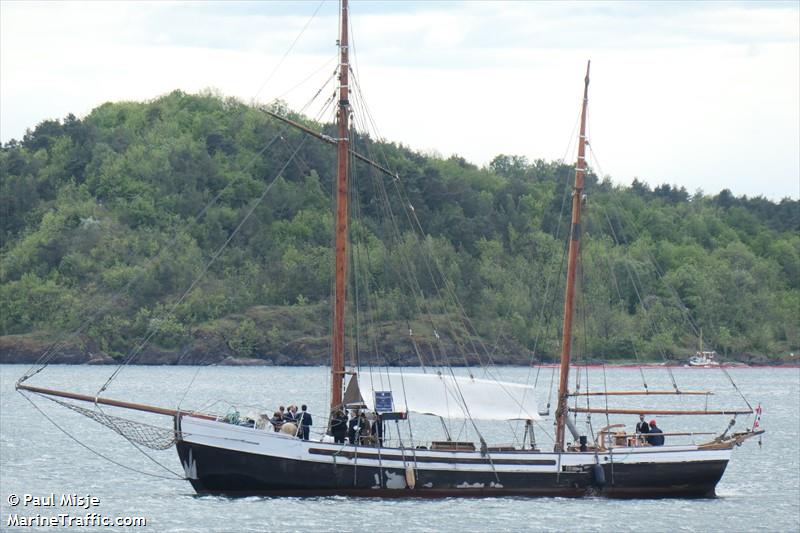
{"type": "Point", "coordinates": [268, 443]}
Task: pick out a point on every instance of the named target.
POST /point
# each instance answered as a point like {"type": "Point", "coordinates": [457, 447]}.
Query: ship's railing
{"type": "Point", "coordinates": [605, 440]}
{"type": "Point", "coordinates": [634, 440]}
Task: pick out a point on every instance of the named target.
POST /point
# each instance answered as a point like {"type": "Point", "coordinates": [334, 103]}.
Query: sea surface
{"type": "Point", "coordinates": [760, 490]}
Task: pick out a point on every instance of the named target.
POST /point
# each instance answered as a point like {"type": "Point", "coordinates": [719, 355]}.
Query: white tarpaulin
{"type": "Point", "coordinates": [446, 396]}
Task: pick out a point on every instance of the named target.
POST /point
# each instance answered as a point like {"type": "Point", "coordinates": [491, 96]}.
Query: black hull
{"type": "Point", "coordinates": [234, 473]}
{"type": "Point", "coordinates": [652, 480]}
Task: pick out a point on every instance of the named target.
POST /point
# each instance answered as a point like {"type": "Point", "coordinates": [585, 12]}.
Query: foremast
{"type": "Point", "coordinates": [562, 410]}
{"type": "Point", "coordinates": [342, 152]}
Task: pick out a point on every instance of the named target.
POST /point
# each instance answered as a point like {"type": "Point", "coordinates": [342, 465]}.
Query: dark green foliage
{"type": "Point", "coordinates": [107, 215]}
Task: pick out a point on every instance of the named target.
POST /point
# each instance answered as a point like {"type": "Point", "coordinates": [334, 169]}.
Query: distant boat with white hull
{"type": "Point", "coordinates": [704, 360]}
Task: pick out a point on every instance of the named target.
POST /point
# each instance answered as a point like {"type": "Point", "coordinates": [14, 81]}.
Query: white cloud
{"type": "Point", "coordinates": [701, 95]}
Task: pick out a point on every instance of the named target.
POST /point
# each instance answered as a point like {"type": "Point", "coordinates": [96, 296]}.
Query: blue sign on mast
{"type": "Point", "coordinates": [383, 402]}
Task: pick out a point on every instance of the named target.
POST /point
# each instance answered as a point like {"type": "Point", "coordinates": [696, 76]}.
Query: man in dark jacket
{"type": "Point", "coordinates": [655, 437]}
{"type": "Point", "coordinates": [642, 426]}
{"type": "Point", "coordinates": [338, 426]}
{"type": "Point", "coordinates": [304, 420]}
{"type": "Point", "coordinates": [377, 430]}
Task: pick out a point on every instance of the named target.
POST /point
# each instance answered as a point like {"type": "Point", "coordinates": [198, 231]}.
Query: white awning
{"type": "Point", "coordinates": [446, 396]}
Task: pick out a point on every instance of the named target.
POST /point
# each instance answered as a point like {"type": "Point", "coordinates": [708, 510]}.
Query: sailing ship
{"type": "Point", "coordinates": [704, 359]}
{"type": "Point", "coordinates": [221, 456]}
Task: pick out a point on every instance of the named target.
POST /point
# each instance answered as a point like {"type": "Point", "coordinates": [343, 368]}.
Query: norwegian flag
{"type": "Point", "coordinates": [757, 421]}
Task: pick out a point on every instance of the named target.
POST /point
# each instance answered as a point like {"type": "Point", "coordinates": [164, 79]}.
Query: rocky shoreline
{"type": "Point", "coordinates": [309, 351]}
{"type": "Point", "coordinates": [208, 348]}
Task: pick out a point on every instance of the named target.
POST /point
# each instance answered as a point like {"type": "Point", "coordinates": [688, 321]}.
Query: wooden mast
{"type": "Point", "coordinates": [342, 153]}
{"type": "Point", "coordinates": [572, 268]}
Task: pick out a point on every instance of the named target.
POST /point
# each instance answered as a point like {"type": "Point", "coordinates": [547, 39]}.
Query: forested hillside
{"type": "Point", "coordinates": [108, 220]}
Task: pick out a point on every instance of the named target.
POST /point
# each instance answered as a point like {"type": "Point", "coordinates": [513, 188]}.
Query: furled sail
{"type": "Point", "coordinates": [352, 394]}
{"type": "Point", "coordinates": [450, 397]}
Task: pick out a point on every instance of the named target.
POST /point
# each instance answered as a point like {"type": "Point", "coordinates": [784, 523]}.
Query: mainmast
{"type": "Point", "coordinates": [342, 152]}
{"type": "Point", "coordinates": [572, 268]}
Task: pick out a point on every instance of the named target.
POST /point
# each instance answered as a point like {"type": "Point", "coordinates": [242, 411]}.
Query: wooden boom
{"type": "Point", "coordinates": [330, 140]}
{"type": "Point", "coordinates": [643, 393]}
{"type": "Point", "coordinates": [617, 411]}
{"type": "Point", "coordinates": [108, 401]}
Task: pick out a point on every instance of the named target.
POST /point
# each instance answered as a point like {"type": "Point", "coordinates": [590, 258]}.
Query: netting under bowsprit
{"type": "Point", "coordinates": [153, 437]}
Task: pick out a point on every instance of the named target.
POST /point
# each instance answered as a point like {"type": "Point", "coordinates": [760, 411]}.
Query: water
{"type": "Point", "coordinates": [759, 492]}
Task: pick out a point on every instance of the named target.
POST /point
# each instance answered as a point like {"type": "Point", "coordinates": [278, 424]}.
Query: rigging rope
{"type": "Point", "coordinates": [327, 62]}
{"type": "Point", "coordinates": [405, 275]}
{"type": "Point", "coordinates": [584, 307]}
{"type": "Point", "coordinates": [619, 296]}
{"type": "Point", "coordinates": [636, 283]}
{"type": "Point", "coordinates": [684, 310]}
{"type": "Point", "coordinates": [156, 328]}
{"type": "Point", "coordinates": [289, 50]}
{"type": "Point", "coordinates": [652, 260]}
{"type": "Point", "coordinates": [50, 353]}
{"type": "Point", "coordinates": [444, 289]}
{"type": "Point", "coordinates": [546, 311]}
{"type": "Point", "coordinates": [605, 387]}
{"type": "Point", "coordinates": [53, 350]}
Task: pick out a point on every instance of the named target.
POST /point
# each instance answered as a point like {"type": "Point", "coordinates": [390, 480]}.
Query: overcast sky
{"type": "Point", "coordinates": [703, 95]}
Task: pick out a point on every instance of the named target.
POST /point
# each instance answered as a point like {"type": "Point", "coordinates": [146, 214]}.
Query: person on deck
{"type": "Point", "coordinates": [377, 430]}
{"type": "Point", "coordinates": [338, 426]}
{"type": "Point", "coordinates": [642, 426]}
{"type": "Point", "coordinates": [304, 419]}
{"type": "Point", "coordinates": [364, 430]}
{"type": "Point", "coordinates": [291, 414]}
{"type": "Point", "coordinates": [353, 426]}
{"type": "Point", "coordinates": [654, 437]}
{"type": "Point", "coordinates": [276, 421]}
